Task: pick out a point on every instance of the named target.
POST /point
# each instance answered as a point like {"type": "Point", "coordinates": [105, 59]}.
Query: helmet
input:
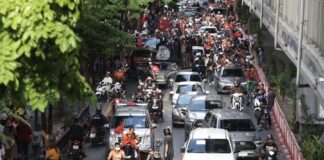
{"type": "Point", "coordinates": [154, 93]}
{"type": "Point", "coordinates": [236, 84]}
{"type": "Point", "coordinates": [156, 155]}
{"type": "Point", "coordinates": [139, 87]}
{"type": "Point", "coordinates": [107, 73]}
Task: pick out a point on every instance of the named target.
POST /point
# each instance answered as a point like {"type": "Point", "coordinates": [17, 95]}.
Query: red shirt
{"type": "Point", "coordinates": [24, 132]}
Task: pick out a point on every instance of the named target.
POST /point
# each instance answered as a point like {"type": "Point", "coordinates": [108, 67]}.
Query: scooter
{"type": "Point", "coordinates": [270, 156]}
{"type": "Point", "coordinates": [76, 150]}
{"type": "Point", "coordinates": [97, 135]}
{"type": "Point", "coordinates": [101, 90]}
{"type": "Point", "coordinates": [156, 112]}
{"type": "Point", "coordinates": [237, 101]}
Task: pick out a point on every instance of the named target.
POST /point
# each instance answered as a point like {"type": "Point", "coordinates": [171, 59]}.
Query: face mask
{"type": "Point", "coordinates": [117, 148]}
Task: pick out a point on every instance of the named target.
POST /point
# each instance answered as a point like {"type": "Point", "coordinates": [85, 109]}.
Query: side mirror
{"type": "Point", "coordinates": [197, 123]}
{"type": "Point", "coordinates": [184, 109]}
{"type": "Point", "coordinates": [171, 92]}
{"type": "Point", "coordinates": [153, 125]}
{"type": "Point", "coordinates": [182, 149]}
{"type": "Point", "coordinates": [207, 92]}
{"type": "Point", "coordinates": [171, 80]}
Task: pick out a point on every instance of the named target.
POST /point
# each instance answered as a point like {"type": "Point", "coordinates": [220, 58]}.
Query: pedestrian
{"type": "Point", "coordinates": [11, 150]}
{"type": "Point", "coordinates": [210, 71]}
{"type": "Point", "coordinates": [270, 98]}
{"type": "Point", "coordinates": [23, 138]}
{"type": "Point", "coordinates": [37, 141]}
{"type": "Point", "coordinates": [52, 151]}
{"type": "Point", "coordinates": [168, 144]}
{"type": "Point", "coordinates": [260, 51]}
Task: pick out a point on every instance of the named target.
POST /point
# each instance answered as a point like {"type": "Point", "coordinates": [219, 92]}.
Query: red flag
{"type": "Point", "coordinates": [155, 68]}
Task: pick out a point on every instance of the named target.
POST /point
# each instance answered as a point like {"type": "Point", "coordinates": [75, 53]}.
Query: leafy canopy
{"type": "Point", "coordinates": [39, 52]}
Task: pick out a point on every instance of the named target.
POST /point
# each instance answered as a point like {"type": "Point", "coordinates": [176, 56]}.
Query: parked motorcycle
{"type": "Point", "coordinates": [237, 101]}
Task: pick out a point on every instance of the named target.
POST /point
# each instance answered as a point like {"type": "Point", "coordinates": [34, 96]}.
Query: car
{"type": "Point", "coordinates": [245, 136]}
{"type": "Point", "coordinates": [142, 56]}
{"type": "Point", "coordinates": [151, 43]}
{"type": "Point", "coordinates": [226, 76]}
{"type": "Point", "coordinates": [208, 143]}
{"type": "Point", "coordinates": [210, 29]}
{"type": "Point", "coordinates": [167, 71]}
{"type": "Point", "coordinates": [186, 87]}
{"type": "Point", "coordinates": [199, 106]}
{"type": "Point", "coordinates": [184, 76]}
{"type": "Point", "coordinates": [179, 109]}
{"type": "Point", "coordinates": [132, 116]}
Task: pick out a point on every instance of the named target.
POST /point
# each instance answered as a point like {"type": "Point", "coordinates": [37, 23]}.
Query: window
{"type": "Point", "coordinates": [232, 73]}
{"type": "Point", "coordinates": [131, 121]}
{"type": "Point", "coordinates": [187, 77]}
{"type": "Point", "coordinates": [237, 125]}
{"type": "Point", "coordinates": [209, 146]}
{"type": "Point", "coordinates": [203, 105]}
{"type": "Point", "coordinates": [189, 88]}
{"type": "Point", "coordinates": [183, 100]}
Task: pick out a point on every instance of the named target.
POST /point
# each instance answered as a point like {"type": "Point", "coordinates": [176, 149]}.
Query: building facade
{"type": "Point", "coordinates": [286, 32]}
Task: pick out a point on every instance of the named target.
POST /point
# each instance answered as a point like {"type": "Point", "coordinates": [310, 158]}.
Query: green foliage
{"type": "Point", "coordinates": [280, 83]}
{"type": "Point", "coordinates": [39, 59]}
{"type": "Point", "coordinates": [312, 148]}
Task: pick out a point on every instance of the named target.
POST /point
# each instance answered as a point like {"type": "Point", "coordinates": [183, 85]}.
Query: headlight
{"type": "Point", "coordinates": [112, 137]}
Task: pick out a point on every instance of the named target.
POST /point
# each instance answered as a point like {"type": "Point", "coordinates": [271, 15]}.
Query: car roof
{"type": "Point", "coordinates": [189, 83]}
{"type": "Point", "coordinates": [198, 47]}
{"type": "Point", "coordinates": [209, 133]}
{"type": "Point", "coordinates": [230, 114]}
{"type": "Point", "coordinates": [187, 73]}
{"type": "Point", "coordinates": [131, 112]}
{"type": "Point", "coordinates": [209, 97]}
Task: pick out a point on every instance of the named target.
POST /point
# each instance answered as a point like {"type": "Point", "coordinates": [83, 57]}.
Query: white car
{"type": "Point", "coordinates": [210, 29]}
{"type": "Point", "coordinates": [185, 76]}
{"type": "Point", "coordinates": [192, 88]}
{"type": "Point", "coordinates": [208, 144]}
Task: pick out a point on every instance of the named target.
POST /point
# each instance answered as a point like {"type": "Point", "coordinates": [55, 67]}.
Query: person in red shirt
{"type": "Point", "coordinates": [129, 139]}
{"type": "Point", "coordinates": [23, 138]}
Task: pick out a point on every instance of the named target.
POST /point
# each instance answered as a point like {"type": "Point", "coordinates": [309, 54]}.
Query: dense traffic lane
{"type": "Point", "coordinates": [98, 152]}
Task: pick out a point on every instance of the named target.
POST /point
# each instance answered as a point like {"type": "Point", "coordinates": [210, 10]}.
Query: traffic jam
{"type": "Point", "coordinates": [189, 90]}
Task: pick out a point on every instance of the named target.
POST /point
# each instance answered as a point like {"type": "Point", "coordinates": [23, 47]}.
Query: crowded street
{"type": "Point", "coordinates": [160, 80]}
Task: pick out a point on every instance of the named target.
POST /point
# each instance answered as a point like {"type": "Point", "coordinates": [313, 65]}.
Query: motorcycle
{"type": "Point", "coordinates": [76, 150]}
{"type": "Point", "coordinates": [270, 156]}
{"type": "Point", "coordinates": [237, 101]}
{"type": "Point", "coordinates": [117, 91]}
{"type": "Point", "coordinates": [155, 110]}
{"type": "Point", "coordinates": [101, 90]}
{"type": "Point", "coordinates": [130, 153]}
{"type": "Point", "coordinates": [97, 135]}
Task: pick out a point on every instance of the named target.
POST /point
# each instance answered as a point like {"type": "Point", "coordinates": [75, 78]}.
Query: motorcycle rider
{"type": "Point", "coordinates": [149, 83]}
{"type": "Point", "coordinates": [270, 145]}
{"type": "Point", "coordinates": [76, 133]}
{"type": "Point", "coordinates": [107, 81]}
{"type": "Point", "coordinates": [237, 88]}
{"type": "Point", "coordinates": [118, 90]}
{"type": "Point", "coordinates": [155, 95]}
{"type": "Point", "coordinates": [98, 120]}
{"type": "Point", "coordinates": [129, 144]}
{"type": "Point", "coordinates": [199, 66]}
{"type": "Point", "coordinates": [117, 153]}
{"type": "Point", "coordinates": [140, 94]}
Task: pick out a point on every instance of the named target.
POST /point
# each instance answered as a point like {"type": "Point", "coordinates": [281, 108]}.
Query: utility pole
{"type": "Point", "coordinates": [300, 47]}
{"type": "Point", "coordinates": [261, 14]}
{"type": "Point", "coordinates": [277, 24]}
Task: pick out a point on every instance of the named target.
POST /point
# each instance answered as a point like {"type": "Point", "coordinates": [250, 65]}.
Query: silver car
{"type": "Point", "coordinates": [168, 70]}
{"type": "Point", "coordinates": [179, 110]}
{"type": "Point", "coordinates": [198, 107]}
{"type": "Point", "coordinates": [246, 139]}
{"type": "Point", "coordinates": [132, 117]}
{"type": "Point", "coordinates": [184, 76]}
{"type": "Point", "coordinates": [226, 76]}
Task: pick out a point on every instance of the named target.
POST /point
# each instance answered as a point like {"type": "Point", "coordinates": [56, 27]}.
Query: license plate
{"type": "Point", "coordinates": [75, 147]}
{"type": "Point", "coordinates": [92, 135]}
{"type": "Point", "coordinates": [243, 154]}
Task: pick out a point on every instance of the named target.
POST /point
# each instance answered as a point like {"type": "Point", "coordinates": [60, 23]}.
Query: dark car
{"type": "Point", "coordinates": [226, 77]}
{"type": "Point", "coordinates": [142, 56]}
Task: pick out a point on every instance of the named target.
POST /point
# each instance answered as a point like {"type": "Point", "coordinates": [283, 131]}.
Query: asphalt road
{"type": "Point", "coordinates": [98, 152]}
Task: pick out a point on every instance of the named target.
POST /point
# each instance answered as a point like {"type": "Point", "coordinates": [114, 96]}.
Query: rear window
{"type": "Point", "coordinates": [209, 146]}
{"type": "Point", "coordinates": [131, 121]}
{"type": "Point", "coordinates": [237, 125]}
{"type": "Point", "coordinates": [189, 88]}
{"type": "Point", "coordinates": [141, 53]}
{"type": "Point", "coordinates": [232, 73]}
{"type": "Point", "coordinates": [203, 105]}
{"type": "Point", "coordinates": [188, 77]}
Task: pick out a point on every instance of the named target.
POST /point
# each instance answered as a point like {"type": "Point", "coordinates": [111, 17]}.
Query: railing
{"type": "Point", "coordinates": [287, 135]}
{"type": "Point", "coordinates": [63, 141]}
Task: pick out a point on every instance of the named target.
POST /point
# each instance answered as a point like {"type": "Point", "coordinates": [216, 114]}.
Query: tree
{"type": "Point", "coordinates": [39, 60]}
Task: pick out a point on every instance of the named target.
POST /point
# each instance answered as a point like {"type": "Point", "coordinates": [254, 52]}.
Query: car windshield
{"type": "Point", "coordinates": [203, 105]}
{"type": "Point", "coordinates": [182, 89]}
{"type": "Point", "coordinates": [183, 100]}
{"type": "Point", "coordinates": [188, 77]}
{"type": "Point", "coordinates": [237, 125]}
{"type": "Point", "coordinates": [209, 146]}
{"type": "Point", "coordinates": [232, 73]}
{"type": "Point", "coordinates": [131, 121]}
